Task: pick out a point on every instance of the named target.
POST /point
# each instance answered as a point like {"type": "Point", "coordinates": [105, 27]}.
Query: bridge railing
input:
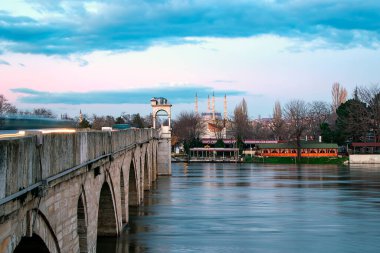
{"type": "Point", "coordinates": [28, 160]}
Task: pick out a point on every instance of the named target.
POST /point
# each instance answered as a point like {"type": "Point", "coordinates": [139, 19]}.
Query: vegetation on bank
{"type": "Point", "coordinates": [293, 160]}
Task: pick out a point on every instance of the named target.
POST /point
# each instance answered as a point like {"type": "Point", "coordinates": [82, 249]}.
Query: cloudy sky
{"type": "Point", "coordinates": [108, 57]}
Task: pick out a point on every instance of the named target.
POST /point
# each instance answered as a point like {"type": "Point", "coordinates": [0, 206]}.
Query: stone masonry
{"type": "Point", "coordinates": [77, 186]}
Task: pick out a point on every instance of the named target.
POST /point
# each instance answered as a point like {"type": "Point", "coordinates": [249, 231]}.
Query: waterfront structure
{"type": "Point", "coordinates": [161, 107]}
{"type": "Point", "coordinates": [60, 191]}
{"type": "Point", "coordinates": [308, 149]}
{"type": "Point", "coordinates": [209, 154]}
{"type": "Point", "coordinates": [365, 147]}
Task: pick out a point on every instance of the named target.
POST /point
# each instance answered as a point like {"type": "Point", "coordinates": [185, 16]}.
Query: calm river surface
{"type": "Point", "coordinates": [257, 208]}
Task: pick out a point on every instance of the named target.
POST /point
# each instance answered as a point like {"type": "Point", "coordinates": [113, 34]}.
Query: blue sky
{"type": "Point", "coordinates": [71, 55]}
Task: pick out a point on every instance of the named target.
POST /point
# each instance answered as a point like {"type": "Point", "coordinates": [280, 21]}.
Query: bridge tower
{"type": "Point", "coordinates": [161, 107]}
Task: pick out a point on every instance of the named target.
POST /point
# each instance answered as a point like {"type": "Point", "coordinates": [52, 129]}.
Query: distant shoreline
{"type": "Point", "coordinates": [270, 160]}
{"type": "Point", "coordinates": [292, 160]}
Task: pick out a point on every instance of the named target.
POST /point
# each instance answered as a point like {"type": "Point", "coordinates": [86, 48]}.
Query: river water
{"type": "Point", "coordinates": [257, 208]}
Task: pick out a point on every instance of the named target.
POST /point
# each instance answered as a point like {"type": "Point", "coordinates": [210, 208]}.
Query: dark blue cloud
{"type": "Point", "coordinates": [183, 94]}
{"type": "Point", "coordinates": [136, 25]}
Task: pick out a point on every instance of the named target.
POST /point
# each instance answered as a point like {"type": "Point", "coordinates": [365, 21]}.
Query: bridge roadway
{"type": "Point", "coordinates": [60, 191]}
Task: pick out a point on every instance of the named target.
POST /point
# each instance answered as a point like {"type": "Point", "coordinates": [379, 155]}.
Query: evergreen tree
{"type": "Point", "coordinates": [84, 124]}
{"type": "Point", "coordinates": [137, 121]}
{"type": "Point", "coordinates": [353, 121]}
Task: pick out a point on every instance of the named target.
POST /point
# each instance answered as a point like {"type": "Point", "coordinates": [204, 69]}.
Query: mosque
{"type": "Point", "coordinates": [216, 127]}
{"type": "Point", "coordinates": [215, 124]}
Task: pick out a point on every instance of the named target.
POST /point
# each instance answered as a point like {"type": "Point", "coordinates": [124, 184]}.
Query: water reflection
{"type": "Point", "coordinates": [256, 208]}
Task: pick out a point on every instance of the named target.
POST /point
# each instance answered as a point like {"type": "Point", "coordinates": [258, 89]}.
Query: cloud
{"type": "Point", "coordinates": [69, 27]}
{"type": "Point", "coordinates": [175, 94]}
{"type": "Point", "coordinates": [2, 62]}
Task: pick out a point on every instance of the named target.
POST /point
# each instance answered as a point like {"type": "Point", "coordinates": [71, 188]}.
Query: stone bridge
{"type": "Point", "coordinates": [60, 191]}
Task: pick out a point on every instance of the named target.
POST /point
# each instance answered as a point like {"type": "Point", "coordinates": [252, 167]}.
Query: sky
{"type": "Point", "coordinates": [111, 57]}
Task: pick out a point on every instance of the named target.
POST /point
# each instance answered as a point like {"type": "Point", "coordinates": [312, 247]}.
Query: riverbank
{"type": "Point", "coordinates": [259, 159]}
{"type": "Point", "coordinates": [291, 160]}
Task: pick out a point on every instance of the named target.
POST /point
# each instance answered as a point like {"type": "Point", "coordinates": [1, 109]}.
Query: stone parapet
{"type": "Point", "coordinates": [27, 160]}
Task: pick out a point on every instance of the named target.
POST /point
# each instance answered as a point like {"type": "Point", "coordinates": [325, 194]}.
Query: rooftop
{"type": "Point", "coordinates": [294, 145]}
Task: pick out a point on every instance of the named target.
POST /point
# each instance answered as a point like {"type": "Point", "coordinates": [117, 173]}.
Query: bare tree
{"type": "Point", "coordinates": [296, 114]}
{"type": "Point", "coordinates": [319, 113]}
{"type": "Point", "coordinates": [366, 93]}
{"type": "Point", "coordinates": [261, 130]}
{"type": "Point", "coordinates": [5, 106]}
{"type": "Point", "coordinates": [242, 126]}
{"type": "Point", "coordinates": [44, 112]}
{"type": "Point", "coordinates": [148, 120]}
{"type": "Point", "coordinates": [216, 127]}
{"type": "Point", "coordinates": [371, 97]}
{"type": "Point", "coordinates": [278, 123]}
{"type": "Point", "coordinates": [102, 121]}
{"type": "Point", "coordinates": [339, 96]}
{"type": "Point", "coordinates": [188, 127]}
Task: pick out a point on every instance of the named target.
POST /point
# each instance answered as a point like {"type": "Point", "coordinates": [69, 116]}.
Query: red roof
{"type": "Point", "coordinates": [215, 149]}
{"type": "Point", "coordinates": [232, 141]}
{"type": "Point", "coordinates": [366, 144]}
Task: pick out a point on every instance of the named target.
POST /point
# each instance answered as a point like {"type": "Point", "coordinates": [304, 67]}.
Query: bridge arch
{"type": "Point", "coordinates": [107, 225]}
{"type": "Point", "coordinates": [146, 171]}
{"type": "Point", "coordinates": [160, 105]}
{"type": "Point", "coordinates": [82, 223]}
{"type": "Point", "coordinates": [40, 236]}
{"type": "Point", "coordinates": [31, 244]}
{"type": "Point", "coordinates": [165, 114]}
{"type": "Point", "coordinates": [133, 196]}
{"type": "Point", "coordinates": [124, 217]}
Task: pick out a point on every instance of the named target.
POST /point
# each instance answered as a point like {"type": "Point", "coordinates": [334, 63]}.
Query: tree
{"type": "Point", "coordinates": [278, 123]}
{"type": "Point", "coordinates": [296, 114]}
{"type": "Point", "coordinates": [319, 113]}
{"type": "Point", "coordinates": [219, 143]}
{"type": "Point", "coordinates": [371, 96]}
{"type": "Point", "coordinates": [339, 96]}
{"type": "Point", "coordinates": [84, 124]}
{"type": "Point", "coordinates": [326, 133]}
{"type": "Point", "coordinates": [102, 121]}
{"type": "Point", "coordinates": [137, 121]}
{"type": "Point", "coordinates": [44, 112]}
{"type": "Point", "coordinates": [242, 126]}
{"type": "Point", "coordinates": [188, 128]}
{"type": "Point", "coordinates": [120, 120]}
{"type": "Point", "coordinates": [374, 108]}
{"type": "Point", "coordinates": [261, 130]}
{"type": "Point", "coordinates": [5, 106]}
{"type": "Point", "coordinates": [352, 121]}
{"type": "Point", "coordinates": [216, 127]}
{"type": "Point", "coordinates": [148, 120]}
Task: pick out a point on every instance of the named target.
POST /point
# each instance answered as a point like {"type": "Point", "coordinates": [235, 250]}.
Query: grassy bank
{"type": "Point", "coordinates": [290, 160]}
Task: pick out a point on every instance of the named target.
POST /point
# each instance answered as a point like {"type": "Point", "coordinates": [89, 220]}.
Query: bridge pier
{"type": "Point", "coordinates": [90, 180]}
{"type": "Point", "coordinates": [161, 105]}
{"type": "Point", "coordinates": [164, 166]}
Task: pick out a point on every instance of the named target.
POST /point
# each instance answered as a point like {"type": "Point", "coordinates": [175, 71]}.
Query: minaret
{"type": "Point", "coordinates": [196, 104]}
{"type": "Point", "coordinates": [208, 104]}
{"type": "Point", "coordinates": [225, 107]}
{"type": "Point", "coordinates": [80, 116]}
{"type": "Point", "coordinates": [213, 106]}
